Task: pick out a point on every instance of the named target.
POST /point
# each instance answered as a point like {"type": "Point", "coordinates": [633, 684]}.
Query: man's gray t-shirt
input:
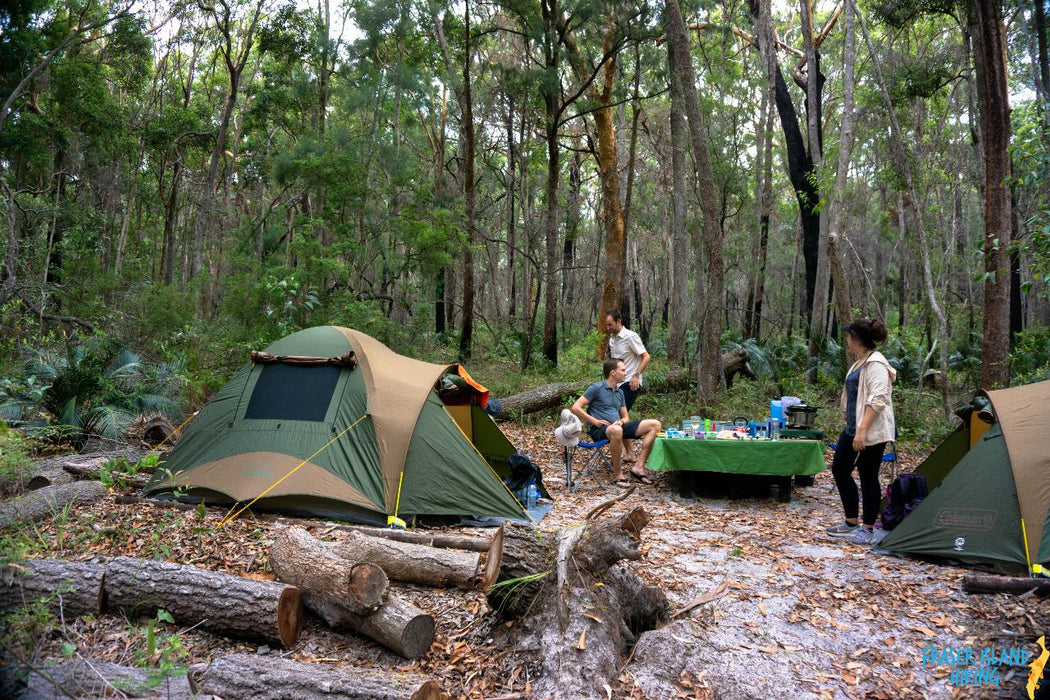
{"type": "Point", "coordinates": [604, 403]}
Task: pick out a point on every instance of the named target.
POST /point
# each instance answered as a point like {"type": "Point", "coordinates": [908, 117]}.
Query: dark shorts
{"type": "Point", "coordinates": [630, 431]}
{"type": "Point", "coordinates": [629, 394]}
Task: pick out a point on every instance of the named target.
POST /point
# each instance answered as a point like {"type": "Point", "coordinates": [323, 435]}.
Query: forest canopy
{"type": "Point", "coordinates": [483, 180]}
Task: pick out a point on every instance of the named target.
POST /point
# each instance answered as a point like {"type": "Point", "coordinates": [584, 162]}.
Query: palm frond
{"type": "Point", "coordinates": [108, 421]}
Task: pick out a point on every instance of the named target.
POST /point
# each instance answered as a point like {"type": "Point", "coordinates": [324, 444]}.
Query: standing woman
{"type": "Point", "coordinates": [867, 400]}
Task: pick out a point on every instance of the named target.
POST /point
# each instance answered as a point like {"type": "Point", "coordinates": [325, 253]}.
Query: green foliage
{"type": "Point", "coordinates": [14, 459]}
{"type": "Point", "coordinates": [94, 386]}
{"type": "Point", "coordinates": [1030, 356]}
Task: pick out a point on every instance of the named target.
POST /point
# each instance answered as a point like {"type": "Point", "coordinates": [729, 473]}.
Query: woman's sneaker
{"type": "Point", "coordinates": [843, 529]}
{"type": "Point", "coordinates": [864, 536]}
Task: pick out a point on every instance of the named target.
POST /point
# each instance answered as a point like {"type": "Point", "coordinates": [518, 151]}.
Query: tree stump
{"type": "Point", "coordinates": [49, 500]}
{"type": "Point", "coordinates": [221, 603]}
{"type": "Point", "coordinates": [526, 554]}
{"type": "Point", "coordinates": [583, 629]}
{"type": "Point", "coordinates": [74, 588]}
{"type": "Point", "coordinates": [315, 567]}
{"type": "Point", "coordinates": [254, 676]}
{"type": "Point", "coordinates": [398, 625]}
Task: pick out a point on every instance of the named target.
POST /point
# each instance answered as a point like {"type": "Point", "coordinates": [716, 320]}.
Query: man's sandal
{"type": "Point", "coordinates": [643, 478]}
{"type": "Point", "coordinates": [622, 483]}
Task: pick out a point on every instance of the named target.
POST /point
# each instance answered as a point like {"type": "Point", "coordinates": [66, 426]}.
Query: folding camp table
{"type": "Point", "coordinates": [779, 459]}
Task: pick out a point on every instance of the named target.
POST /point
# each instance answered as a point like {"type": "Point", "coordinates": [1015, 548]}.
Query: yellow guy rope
{"type": "Point", "coordinates": [231, 515]}
{"type": "Point", "coordinates": [173, 433]}
{"type": "Point", "coordinates": [1027, 556]}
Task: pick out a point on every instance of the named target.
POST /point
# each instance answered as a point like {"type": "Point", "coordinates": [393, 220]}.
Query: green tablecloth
{"type": "Point", "coordinates": [771, 457]}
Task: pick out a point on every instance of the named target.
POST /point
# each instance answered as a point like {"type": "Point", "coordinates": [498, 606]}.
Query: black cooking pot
{"type": "Point", "coordinates": [801, 416]}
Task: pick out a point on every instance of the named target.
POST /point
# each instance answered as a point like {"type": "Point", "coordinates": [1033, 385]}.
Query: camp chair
{"type": "Point", "coordinates": [598, 454]}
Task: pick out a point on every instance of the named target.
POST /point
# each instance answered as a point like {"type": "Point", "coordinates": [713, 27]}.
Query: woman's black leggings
{"type": "Point", "coordinates": [867, 463]}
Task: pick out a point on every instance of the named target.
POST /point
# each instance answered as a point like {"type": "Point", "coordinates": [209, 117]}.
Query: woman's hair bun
{"type": "Point", "coordinates": [878, 330]}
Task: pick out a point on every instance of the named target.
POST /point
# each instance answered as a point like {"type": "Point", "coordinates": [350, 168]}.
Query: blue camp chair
{"type": "Point", "coordinates": [598, 454]}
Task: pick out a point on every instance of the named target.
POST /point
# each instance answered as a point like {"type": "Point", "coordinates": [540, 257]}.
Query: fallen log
{"type": "Point", "coordinates": [91, 678]}
{"type": "Point", "coordinates": [558, 394]}
{"type": "Point", "coordinates": [1006, 584]}
{"type": "Point", "coordinates": [254, 676]}
{"type": "Point", "coordinates": [221, 603]}
{"type": "Point", "coordinates": [417, 563]}
{"type": "Point", "coordinates": [398, 625]}
{"type": "Point", "coordinates": [471, 544]}
{"type": "Point", "coordinates": [49, 501]}
{"type": "Point", "coordinates": [315, 567]}
{"type": "Point", "coordinates": [72, 588]}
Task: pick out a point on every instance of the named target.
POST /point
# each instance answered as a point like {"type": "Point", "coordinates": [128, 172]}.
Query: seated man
{"type": "Point", "coordinates": [608, 418]}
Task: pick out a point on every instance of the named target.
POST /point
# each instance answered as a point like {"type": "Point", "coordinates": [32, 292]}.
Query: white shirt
{"type": "Point", "coordinates": [627, 346]}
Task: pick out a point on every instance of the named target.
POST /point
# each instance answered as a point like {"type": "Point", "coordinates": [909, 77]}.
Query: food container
{"type": "Point", "coordinates": [801, 416]}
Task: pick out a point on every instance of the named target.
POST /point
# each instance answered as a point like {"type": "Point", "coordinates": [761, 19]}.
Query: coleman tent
{"type": "Point", "coordinates": [989, 483]}
{"type": "Point", "coordinates": [331, 422]}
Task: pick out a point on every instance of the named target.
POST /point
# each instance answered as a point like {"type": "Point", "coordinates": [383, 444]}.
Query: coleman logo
{"type": "Point", "coordinates": [966, 519]}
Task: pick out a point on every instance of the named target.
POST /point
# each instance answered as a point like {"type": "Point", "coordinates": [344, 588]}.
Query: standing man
{"type": "Point", "coordinates": [626, 345]}
{"type": "Point", "coordinates": [607, 417]}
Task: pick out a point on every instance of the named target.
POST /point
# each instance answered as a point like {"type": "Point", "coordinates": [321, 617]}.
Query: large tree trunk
{"type": "Point", "coordinates": [251, 676]}
{"type": "Point", "coordinates": [836, 203]}
{"type": "Point", "coordinates": [74, 588]}
{"type": "Point", "coordinates": [677, 312]}
{"type": "Point", "coordinates": [49, 500]}
{"type": "Point", "coordinates": [221, 603]}
{"type": "Point", "coordinates": [398, 625]}
{"type": "Point", "coordinates": [990, 60]}
{"type": "Point", "coordinates": [466, 107]}
{"type": "Point", "coordinates": [315, 567]}
{"type": "Point", "coordinates": [710, 321]}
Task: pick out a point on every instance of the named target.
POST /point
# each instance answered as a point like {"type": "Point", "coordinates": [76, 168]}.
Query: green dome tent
{"type": "Point", "coordinates": [989, 482]}
{"type": "Point", "coordinates": [330, 422]}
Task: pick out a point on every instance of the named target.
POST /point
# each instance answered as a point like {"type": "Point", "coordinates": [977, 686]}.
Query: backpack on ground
{"type": "Point", "coordinates": [523, 471]}
{"type": "Point", "coordinates": [902, 497]}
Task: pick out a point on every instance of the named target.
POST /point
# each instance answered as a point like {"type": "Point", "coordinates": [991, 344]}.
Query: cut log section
{"type": "Point", "coordinates": [470, 544]}
{"type": "Point", "coordinates": [417, 563]}
{"type": "Point", "coordinates": [315, 567]}
{"type": "Point", "coordinates": [49, 501]}
{"type": "Point", "coordinates": [73, 588]}
{"type": "Point", "coordinates": [254, 676]}
{"type": "Point", "coordinates": [398, 625]}
{"type": "Point", "coordinates": [1006, 584]}
{"type": "Point", "coordinates": [221, 603]}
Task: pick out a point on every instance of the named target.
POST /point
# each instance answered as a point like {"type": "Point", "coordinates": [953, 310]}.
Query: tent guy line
{"type": "Point", "coordinates": [230, 516]}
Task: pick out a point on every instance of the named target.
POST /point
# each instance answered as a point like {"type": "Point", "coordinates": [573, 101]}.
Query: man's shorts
{"type": "Point", "coordinates": [630, 431]}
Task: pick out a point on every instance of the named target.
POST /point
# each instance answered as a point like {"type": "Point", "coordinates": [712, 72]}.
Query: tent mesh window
{"type": "Point", "coordinates": [293, 392]}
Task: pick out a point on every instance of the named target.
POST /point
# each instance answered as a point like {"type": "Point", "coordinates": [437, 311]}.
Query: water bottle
{"type": "Point", "coordinates": [776, 429]}
{"type": "Point", "coordinates": [531, 495]}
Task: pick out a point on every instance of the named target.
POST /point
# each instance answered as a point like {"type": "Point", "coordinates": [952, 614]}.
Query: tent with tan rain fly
{"type": "Point", "coordinates": [989, 482]}
{"type": "Point", "coordinates": [330, 422]}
